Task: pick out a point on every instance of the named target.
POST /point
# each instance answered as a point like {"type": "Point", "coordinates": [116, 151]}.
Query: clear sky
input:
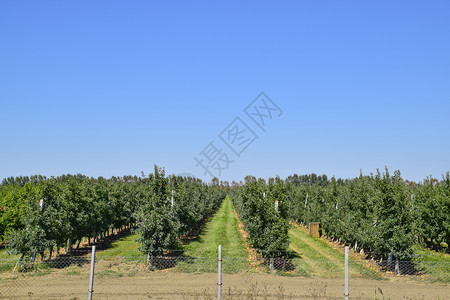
{"type": "Point", "coordinates": [109, 88]}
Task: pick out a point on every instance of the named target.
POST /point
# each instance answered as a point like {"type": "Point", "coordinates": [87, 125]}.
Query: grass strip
{"type": "Point", "coordinates": [355, 269]}
{"type": "Point", "coordinates": [222, 229]}
{"type": "Point", "coordinates": [320, 265]}
{"type": "Point", "coordinates": [126, 247]}
{"type": "Point", "coordinates": [434, 264]}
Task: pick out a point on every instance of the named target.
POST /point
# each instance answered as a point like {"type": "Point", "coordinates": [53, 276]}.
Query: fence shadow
{"type": "Point", "coordinates": [282, 262]}
{"type": "Point", "coordinates": [403, 267]}
{"type": "Point", "coordinates": [65, 260]}
{"type": "Point", "coordinates": [167, 260]}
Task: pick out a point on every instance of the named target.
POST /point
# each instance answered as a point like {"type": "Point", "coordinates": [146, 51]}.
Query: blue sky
{"type": "Point", "coordinates": [114, 87]}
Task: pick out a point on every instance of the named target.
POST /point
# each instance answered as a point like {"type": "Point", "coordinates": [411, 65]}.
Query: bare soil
{"type": "Point", "coordinates": [116, 280]}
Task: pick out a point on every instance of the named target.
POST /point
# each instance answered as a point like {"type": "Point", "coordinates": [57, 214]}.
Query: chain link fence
{"type": "Point", "coordinates": [183, 275]}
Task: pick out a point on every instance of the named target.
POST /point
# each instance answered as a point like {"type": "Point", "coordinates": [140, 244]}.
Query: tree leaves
{"type": "Point", "coordinates": [255, 204]}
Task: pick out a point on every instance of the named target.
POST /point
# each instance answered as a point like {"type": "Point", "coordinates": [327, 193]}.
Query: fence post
{"type": "Point", "coordinates": [346, 273]}
{"type": "Point", "coordinates": [219, 269]}
{"type": "Point", "coordinates": [91, 281]}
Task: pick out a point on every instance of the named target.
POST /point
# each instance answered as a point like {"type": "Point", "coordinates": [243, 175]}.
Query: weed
{"type": "Point", "coordinates": [110, 273]}
{"type": "Point", "coordinates": [73, 270]}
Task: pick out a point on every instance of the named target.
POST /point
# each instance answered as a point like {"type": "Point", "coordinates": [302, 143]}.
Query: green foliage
{"type": "Point", "coordinates": [267, 227]}
{"type": "Point", "coordinates": [156, 221]}
{"type": "Point", "coordinates": [160, 224]}
{"type": "Point", "coordinates": [380, 213]}
{"type": "Point", "coordinates": [13, 207]}
{"type": "Point", "coordinates": [432, 202]}
{"type": "Point", "coordinates": [39, 214]}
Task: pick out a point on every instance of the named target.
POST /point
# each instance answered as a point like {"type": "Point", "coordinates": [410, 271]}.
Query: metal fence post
{"type": "Point", "coordinates": [346, 273]}
{"type": "Point", "coordinates": [91, 281]}
{"type": "Point", "coordinates": [219, 269]}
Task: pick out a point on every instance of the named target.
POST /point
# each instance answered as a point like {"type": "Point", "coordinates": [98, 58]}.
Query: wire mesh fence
{"type": "Point", "coordinates": [183, 275]}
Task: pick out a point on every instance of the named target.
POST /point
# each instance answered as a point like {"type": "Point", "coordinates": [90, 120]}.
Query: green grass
{"type": "Point", "coordinates": [301, 268]}
{"type": "Point", "coordinates": [7, 262]}
{"type": "Point", "coordinates": [40, 269]}
{"type": "Point", "coordinates": [426, 254]}
{"type": "Point", "coordinates": [125, 247]}
{"type": "Point", "coordinates": [110, 274]}
{"type": "Point", "coordinates": [314, 262]}
{"type": "Point", "coordinates": [221, 229]}
{"type": "Point", "coordinates": [317, 258]}
{"type": "Point", "coordinates": [434, 264]}
{"type": "Point", "coordinates": [72, 270]}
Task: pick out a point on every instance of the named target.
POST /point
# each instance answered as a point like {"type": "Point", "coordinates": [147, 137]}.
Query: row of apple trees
{"type": "Point", "coordinates": [39, 214]}
{"type": "Point", "coordinates": [171, 207]}
{"type": "Point", "coordinates": [262, 208]}
{"type": "Point", "coordinates": [381, 213]}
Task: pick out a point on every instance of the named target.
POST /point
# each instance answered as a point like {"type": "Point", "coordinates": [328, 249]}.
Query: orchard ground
{"type": "Point", "coordinates": [118, 280]}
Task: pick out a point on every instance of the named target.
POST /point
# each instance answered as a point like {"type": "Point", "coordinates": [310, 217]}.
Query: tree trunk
{"type": "Point", "coordinates": [69, 248]}
{"type": "Point", "coordinates": [389, 262]}
{"type": "Point", "coordinates": [20, 259]}
{"type": "Point", "coordinates": [397, 266]}
{"type": "Point", "coordinates": [33, 258]}
{"type": "Point", "coordinates": [150, 260]}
